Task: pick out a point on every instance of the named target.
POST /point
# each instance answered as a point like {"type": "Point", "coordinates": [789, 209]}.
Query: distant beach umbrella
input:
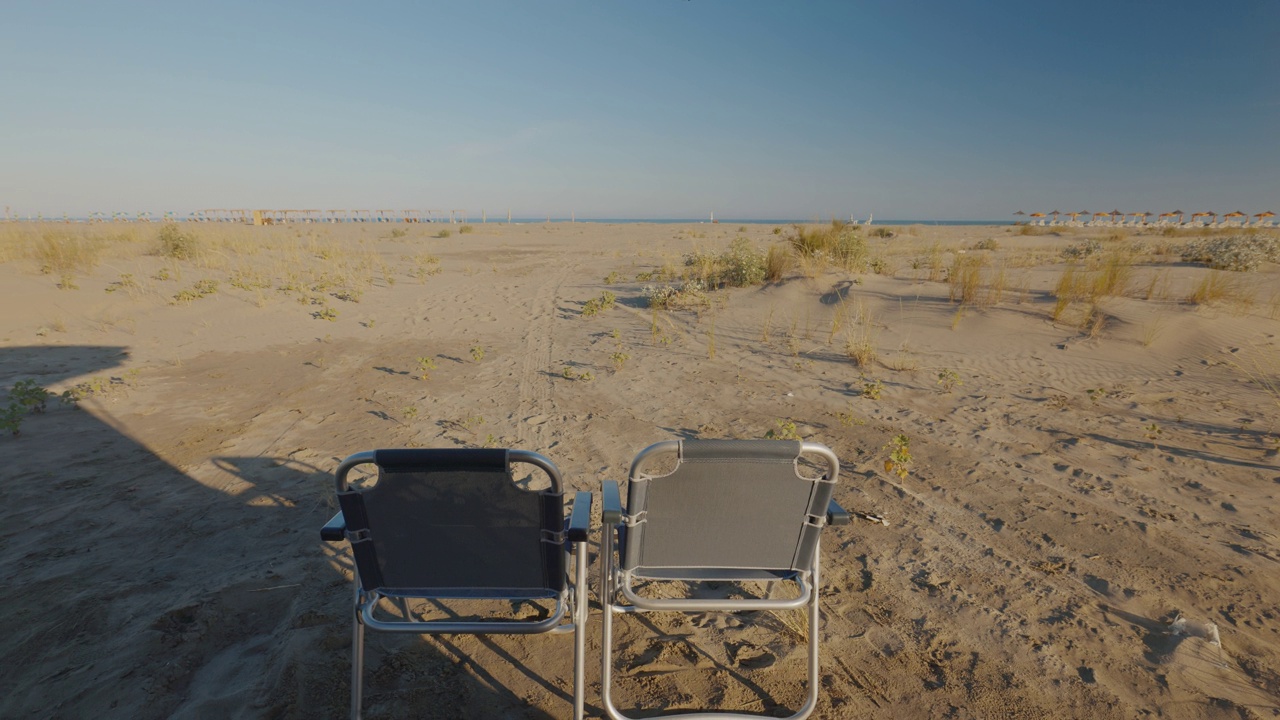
{"type": "Point", "coordinates": [1055, 215]}
{"type": "Point", "coordinates": [1115, 213]}
{"type": "Point", "coordinates": [1236, 214]}
{"type": "Point", "coordinates": [1263, 216]}
{"type": "Point", "coordinates": [1072, 215]}
{"type": "Point", "coordinates": [1179, 213]}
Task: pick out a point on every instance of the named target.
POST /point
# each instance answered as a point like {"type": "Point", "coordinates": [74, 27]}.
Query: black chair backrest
{"type": "Point", "coordinates": [452, 523]}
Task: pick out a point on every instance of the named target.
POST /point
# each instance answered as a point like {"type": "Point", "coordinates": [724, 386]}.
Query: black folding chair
{"type": "Point", "coordinates": [731, 510]}
{"type": "Point", "coordinates": [453, 525]}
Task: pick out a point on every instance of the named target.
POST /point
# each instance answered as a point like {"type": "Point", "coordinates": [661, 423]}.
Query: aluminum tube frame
{"type": "Point", "coordinates": [673, 446]}
{"type": "Point", "coordinates": [363, 603]}
{"type": "Point", "coordinates": [524, 456]}
{"type": "Point", "coordinates": [608, 589]}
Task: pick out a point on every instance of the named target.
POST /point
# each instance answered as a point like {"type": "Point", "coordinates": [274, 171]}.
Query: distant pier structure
{"type": "Point", "coordinates": [285, 217]}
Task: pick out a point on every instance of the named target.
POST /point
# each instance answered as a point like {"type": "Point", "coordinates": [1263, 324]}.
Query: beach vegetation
{"type": "Point", "coordinates": [595, 306]}
{"type": "Point", "coordinates": [777, 262]}
{"type": "Point", "coordinates": [872, 388]}
{"type": "Point", "coordinates": [783, 430]}
{"type": "Point", "coordinates": [987, 244]}
{"type": "Point", "coordinates": [477, 353]}
{"type": "Point", "coordinates": [687, 295]}
{"type": "Point", "coordinates": [326, 313]}
{"type": "Point", "coordinates": [28, 397]}
{"type": "Point", "coordinates": [425, 366]}
{"type": "Point", "coordinates": [444, 233]}
{"type": "Point", "coordinates": [465, 229]}
{"type": "Point", "coordinates": [1239, 253]}
{"type": "Point", "coordinates": [837, 243]}
{"type": "Point", "coordinates": [202, 288]}
{"type": "Point", "coordinates": [948, 379]}
{"type": "Point", "coordinates": [176, 243]}
{"type": "Point", "coordinates": [613, 278]}
{"type": "Point", "coordinates": [740, 265]}
{"type": "Point", "coordinates": [619, 359]}
{"type": "Point", "coordinates": [900, 459]}
{"type": "Point", "coordinates": [569, 374]}
{"type": "Point", "coordinates": [1219, 286]}
{"type": "Point", "coordinates": [66, 256]}
{"type": "Point", "coordinates": [1082, 249]}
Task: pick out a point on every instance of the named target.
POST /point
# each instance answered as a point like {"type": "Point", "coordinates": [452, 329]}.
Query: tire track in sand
{"type": "Point", "coordinates": [535, 406]}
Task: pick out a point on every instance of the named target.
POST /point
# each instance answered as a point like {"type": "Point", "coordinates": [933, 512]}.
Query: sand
{"type": "Point", "coordinates": [1085, 511]}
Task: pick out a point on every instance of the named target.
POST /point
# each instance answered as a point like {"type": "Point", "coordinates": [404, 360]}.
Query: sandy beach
{"type": "Point", "coordinates": [1085, 524]}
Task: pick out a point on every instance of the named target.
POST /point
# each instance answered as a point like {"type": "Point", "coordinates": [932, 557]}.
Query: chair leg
{"type": "Point", "coordinates": [581, 612]}
{"type": "Point", "coordinates": [357, 656]}
{"type": "Point", "coordinates": [606, 623]}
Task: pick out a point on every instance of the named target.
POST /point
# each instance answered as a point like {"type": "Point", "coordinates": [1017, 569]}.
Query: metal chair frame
{"type": "Point", "coordinates": [570, 602]}
{"type": "Point", "coordinates": [615, 580]}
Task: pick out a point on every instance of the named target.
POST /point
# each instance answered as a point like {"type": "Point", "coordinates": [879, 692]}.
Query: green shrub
{"type": "Point", "coordinates": [738, 266]}
{"type": "Point", "coordinates": [176, 244]}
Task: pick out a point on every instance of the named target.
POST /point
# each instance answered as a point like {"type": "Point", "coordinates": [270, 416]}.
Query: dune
{"type": "Point", "coordinates": [1082, 500]}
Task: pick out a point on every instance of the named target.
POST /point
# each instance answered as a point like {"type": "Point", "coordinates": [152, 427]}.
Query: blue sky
{"type": "Point", "coordinates": [642, 108]}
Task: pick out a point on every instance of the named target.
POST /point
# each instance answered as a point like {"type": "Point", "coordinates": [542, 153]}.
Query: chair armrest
{"type": "Point", "coordinates": [610, 503]}
{"type": "Point", "coordinates": [837, 515]}
{"type": "Point", "coordinates": [580, 519]}
{"type": "Point", "coordinates": [335, 529]}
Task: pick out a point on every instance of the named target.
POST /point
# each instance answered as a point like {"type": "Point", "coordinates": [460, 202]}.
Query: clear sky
{"type": "Point", "coordinates": [642, 108]}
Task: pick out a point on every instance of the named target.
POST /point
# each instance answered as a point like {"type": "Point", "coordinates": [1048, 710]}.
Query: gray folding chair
{"type": "Point", "coordinates": [452, 525]}
{"type": "Point", "coordinates": [731, 510]}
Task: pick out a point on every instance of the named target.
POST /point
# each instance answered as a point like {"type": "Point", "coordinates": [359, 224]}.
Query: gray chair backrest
{"type": "Point", "coordinates": [733, 504]}
{"type": "Point", "coordinates": [452, 523]}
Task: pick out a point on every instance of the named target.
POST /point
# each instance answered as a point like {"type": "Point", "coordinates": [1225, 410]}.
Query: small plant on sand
{"type": "Point", "coordinates": [619, 359]}
{"type": "Point", "coordinates": [899, 460]}
{"type": "Point", "coordinates": [987, 244]}
{"type": "Point", "coordinates": [203, 288]}
{"type": "Point", "coordinates": [477, 353]}
{"type": "Point", "coordinates": [126, 282]}
{"type": "Point", "coordinates": [176, 244]}
{"type": "Point", "coordinates": [595, 306]}
{"type": "Point", "coordinates": [871, 389]}
{"type": "Point", "coordinates": [465, 229]}
{"type": "Point", "coordinates": [848, 419]}
{"type": "Point", "coordinates": [785, 430]}
{"type": "Point", "coordinates": [613, 278]}
{"type": "Point", "coordinates": [410, 412]}
{"type": "Point", "coordinates": [489, 441]}
{"type": "Point", "coordinates": [1153, 433]}
{"type": "Point", "coordinates": [425, 366]}
{"type": "Point", "coordinates": [1082, 250]}
{"type": "Point", "coordinates": [948, 379]}
{"type": "Point", "coordinates": [444, 233]}
{"type": "Point", "coordinates": [326, 313]}
{"type": "Point", "coordinates": [26, 397]}
{"type": "Point", "coordinates": [689, 295]}
{"type": "Point", "coordinates": [585, 375]}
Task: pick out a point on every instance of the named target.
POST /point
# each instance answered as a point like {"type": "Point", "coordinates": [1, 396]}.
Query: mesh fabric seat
{"type": "Point", "coordinates": [453, 525]}
{"type": "Point", "coordinates": [737, 510]}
